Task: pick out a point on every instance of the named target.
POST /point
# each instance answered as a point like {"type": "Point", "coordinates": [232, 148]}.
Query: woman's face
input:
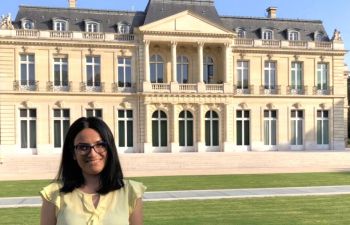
{"type": "Point", "coordinates": [90, 151]}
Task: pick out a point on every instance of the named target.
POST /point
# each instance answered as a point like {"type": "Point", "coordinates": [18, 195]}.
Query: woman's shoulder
{"type": "Point", "coordinates": [134, 186]}
{"type": "Point", "coordinates": [51, 192]}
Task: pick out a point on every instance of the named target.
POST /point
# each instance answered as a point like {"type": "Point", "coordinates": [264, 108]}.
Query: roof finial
{"type": "Point", "coordinates": [72, 3]}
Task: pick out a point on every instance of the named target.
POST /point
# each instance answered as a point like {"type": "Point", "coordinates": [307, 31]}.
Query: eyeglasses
{"type": "Point", "coordinates": [85, 148]}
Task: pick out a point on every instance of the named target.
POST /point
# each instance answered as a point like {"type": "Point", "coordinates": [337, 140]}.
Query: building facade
{"type": "Point", "coordinates": [176, 77]}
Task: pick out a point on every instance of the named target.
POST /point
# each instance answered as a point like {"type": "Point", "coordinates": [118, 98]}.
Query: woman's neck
{"type": "Point", "coordinates": [92, 184]}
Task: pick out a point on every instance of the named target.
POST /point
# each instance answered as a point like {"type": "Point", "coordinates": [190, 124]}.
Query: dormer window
{"type": "Point", "coordinates": [318, 36]}
{"type": "Point", "coordinates": [267, 34]}
{"type": "Point", "coordinates": [60, 25]}
{"type": "Point", "coordinates": [27, 24]}
{"type": "Point", "coordinates": [293, 35]}
{"type": "Point", "coordinates": [92, 26]}
{"type": "Point", "coordinates": [123, 28]}
{"type": "Point", "coordinates": [241, 33]}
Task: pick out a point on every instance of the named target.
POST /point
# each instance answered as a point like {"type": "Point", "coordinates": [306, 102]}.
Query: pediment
{"type": "Point", "coordinates": [185, 21]}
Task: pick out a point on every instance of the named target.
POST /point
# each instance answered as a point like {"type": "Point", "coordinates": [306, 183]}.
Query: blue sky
{"type": "Point", "coordinates": [334, 14]}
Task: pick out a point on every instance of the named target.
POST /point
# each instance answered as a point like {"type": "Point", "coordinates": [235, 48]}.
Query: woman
{"type": "Point", "coordinates": [89, 188]}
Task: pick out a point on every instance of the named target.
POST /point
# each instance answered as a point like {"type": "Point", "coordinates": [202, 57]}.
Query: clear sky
{"type": "Point", "coordinates": [335, 14]}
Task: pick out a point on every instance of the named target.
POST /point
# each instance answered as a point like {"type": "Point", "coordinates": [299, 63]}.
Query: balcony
{"type": "Point", "coordinates": [25, 85]}
{"type": "Point", "coordinates": [123, 87]}
{"type": "Point", "coordinates": [239, 90]}
{"type": "Point", "coordinates": [93, 36]}
{"type": "Point", "coordinates": [61, 34]}
{"type": "Point", "coordinates": [59, 86]}
{"type": "Point", "coordinates": [328, 90]}
{"type": "Point", "coordinates": [297, 90]}
{"type": "Point", "coordinates": [270, 90]}
{"type": "Point", "coordinates": [92, 86]}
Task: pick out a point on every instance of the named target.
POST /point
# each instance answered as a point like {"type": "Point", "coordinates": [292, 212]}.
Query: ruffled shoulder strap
{"type": "Point", "coordinates": [51, 193]}
{"type": "Point", "coordinates": [135, 190]}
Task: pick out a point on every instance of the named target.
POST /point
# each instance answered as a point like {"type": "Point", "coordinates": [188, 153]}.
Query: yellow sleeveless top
{"type": "Point", "coordinates": [77, 208]}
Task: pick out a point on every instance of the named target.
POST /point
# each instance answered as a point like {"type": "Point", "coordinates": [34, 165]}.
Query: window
{"type": "Point", "coordinates": [297, 127]}
{"type": "Point", "coordinates": [297, 76]}
{"type": "Point", "coordinates": [91, 26]}
{"type": "Point", "coordinates": [27, 24]}
{"type": "Point", "coordinates": [322, 127]}
{"type": "Point", "coordinates": [159, 129]}
{"type": "Point", "coordinates": [125, 128]}
{"type": "Point", "coordinates": [293, 36]}
{"type": "Point", "coordinates": [270, 119]}
{"type": "Point", "coordinates": [270, 75]}
{"type": "Point", "coordinates": [208, 70]}
{"type": "Point", "coordinates": [60, 25]}
{"type": "Point", "coordinates": [93, 74]}
{"type": "Point", "coordinates": [322, 76]}
{"type": "Point", "coordinates": [27, 69]}
{"type": "Point", "coordinates": [182, 69]}
{"type": "Point", "coordinates": [242, 126]}
{"type": "Point", "coordinates": [124, 72]}
{"type": "Point", "coordinates": [60, 71]}
{"type": "Point", "coordinates": [242, 74]}
{"type": "Point", "coordinates": [28, 128]}
{"type": "Point", "coordinates": [240, 33]}
{"type": "Point", "coordinates": [94, 113]}
{"type": "Point", "coordinates": [211, 129]}
{"type": "Point", "coordinates": [157, 69]}
{"type": "Point", "coordinates": [267, 35]}
{"type": "Point", "coordinates": [60, 126]}
{"type": "Point", "coordinates": [318, 36]}
{"type": "Point", "coordinates": [123, 28]}
{"type": "Point", "coordinates": [186, 129]}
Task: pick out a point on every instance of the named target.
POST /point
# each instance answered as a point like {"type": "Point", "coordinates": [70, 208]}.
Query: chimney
{"type": "Point", "coordinates": [72, 3]}
{"type": "Point", "coordinates": [271, 12]}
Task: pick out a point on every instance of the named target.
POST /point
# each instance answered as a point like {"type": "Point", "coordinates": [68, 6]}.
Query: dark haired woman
{"type": "Point", "coordinates": [89, 188]}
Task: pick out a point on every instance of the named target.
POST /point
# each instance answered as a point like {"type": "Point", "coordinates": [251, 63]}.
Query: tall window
{"type": "Point", "coordinates": [242, 74]}
{"type": "Point", "coordinates": [159, 129]}
{"type": "Point", "coordinates": [322, 127]}
{"type": "Point", "coordinates": [322, 76]}
{"type": "Point", "coordinates": [60, 25]}
{"type": "Point", "coordinates": [186, 128]}
{"type": "Point", "coordinates": [270, 75]}
{"type": "Point", "coordinates": [297, 124]}
{"type": "Point", "coordinates": [94, 113]}
{"type": "Point", "coordinates": [27, 69]}
{"type": "Point", "coordinates": [297, 76]}
{"type": "Point", "coordinates": [293, 36]}
{"type": "Point", "coordinates": [241, 33]}
{"type": "Point", "coordinates": [182, 69]}
{"type": "Point", "coordinates": [157, 69]}
{"type": "Point", "coordinates": [92, 27]}
{"type": "Point", "coordinates": [60, 126]}
{"type": "Point", "coordinates": [208, 70]}
{"type": "Point", "coordinates": [61, 71]}
{"type": "Point", "coordinates": [124, 72]}
{"type": "Point", "coordinates": [242, 126]}
{"type": "Point", "coordinates": [93, 71]}
{"type": "Point", "coordinates": [211, 129]}
{"type": "Point", "coordinates": [270, 119]}
{"type": "Point", "coordinates": [123, 28]}
{"type": "Point", "coordinates": [267, 35]}
{"type": "Point", "coordinates": [28, 128]}
{"type": "Point", "coordinates": [125, 128]}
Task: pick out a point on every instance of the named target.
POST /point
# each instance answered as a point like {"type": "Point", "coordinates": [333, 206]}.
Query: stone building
{"type": "Point", "coordinates": [176, 77]}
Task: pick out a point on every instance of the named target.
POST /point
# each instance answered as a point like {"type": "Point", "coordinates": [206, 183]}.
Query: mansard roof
{"type": "Point", "coordinates": [42, 17]}
{"type": "Point", "coordinates": [159, 9]}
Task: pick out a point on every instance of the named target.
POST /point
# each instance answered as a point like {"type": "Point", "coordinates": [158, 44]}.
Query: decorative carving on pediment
{"type": "Point", "coordinates": [336, 35]}
{"type": "Point", "coordinates": [91, 51]}
{"type": "Point", "coordinates": [126, 105]}
{"type": "Point", "coordinates": [24, 49]}
{"type": "Point", "coordinates": [58, 50]}
{"type": "Point", "coordinates": [243, 105]}
{"type": "Point", "coordinates": [297, 105]}
{"type": "Point", "coordinates": [93, 104]}
{"type": "Point", "coordinates": [161, 106]}
{"type": "Point", "coordinates": [26, 104]}
{"type": "Point", "coordinates": [6, 22]}
{"type": "Point", "coordinates": [59, 104]}
{"type": "Point", "coordinates": [270, 106]}
{"type": "Point", "coordinates": [296, 57]}
{"type": "Point", "coordinates": [323, 105]}
{"type": "Point", "coordinates": [269, 56]}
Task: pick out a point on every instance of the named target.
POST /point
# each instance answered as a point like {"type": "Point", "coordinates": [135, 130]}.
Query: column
{"type": "Point", "coordinates": [147, 146]}
{"type": "Point", "coordinates": [228, 127]}
{"type": "Point", "coordinates": [228, 78]}
{"type": "Point", "coordinates": [201, 129]}
{"type": "Point", "coordinates": [173, 61]}
{"type": "Point", "coordinates": [200, 61]}
{"type": "Point", "coordinates": [147, 77]}
{"type": "Point", "coordinates": [174, 134]}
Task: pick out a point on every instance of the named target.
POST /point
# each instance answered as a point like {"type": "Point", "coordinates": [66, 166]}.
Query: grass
{"type": "Point", "coordinates": [319, 210]}
{"type": "Point", "coordinates": [31, 188]}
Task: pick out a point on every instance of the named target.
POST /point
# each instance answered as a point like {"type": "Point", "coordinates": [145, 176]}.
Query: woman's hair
{"type": "Point", "coordinates": [70, 174]}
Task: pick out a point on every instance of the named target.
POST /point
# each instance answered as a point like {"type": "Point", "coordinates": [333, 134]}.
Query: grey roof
{"type": "Point", "coordinates": [159, 9]}
{"type": "Point", "coordinates": [42, 17]}
{"type": "Point", "coordinates": [253, 26]}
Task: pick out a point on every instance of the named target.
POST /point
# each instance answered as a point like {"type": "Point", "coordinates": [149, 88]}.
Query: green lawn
{"type": "Point", "coordinates": [320, 210]}
{"type": "Point", "coordinates": [31, 188]}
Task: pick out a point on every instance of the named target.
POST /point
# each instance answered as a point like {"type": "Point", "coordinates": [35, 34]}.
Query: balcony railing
{"type": "Point", "coordinates": [123, 87]}
{"type": "Point", "coordinates": [124, 37]}
{"type": "Point", "coordinates": [162, 87]}
{"type": "Point", "coordinates": [214, 87]}
{"type": "Point", "coordinates": [271, 43]}
{"type": "Point", "coordinates": [58, 86]}
{"type": "Point", "coordinates": [298, 44]}
{"type": "Point", "coordinates": [27, 33]}
{"type": "Point", "coordinates": [93, 36]}
{"type": "Point", "coordinates": [61, 34]}
{"type": "Point", "coordinates": [270, 90]}
{"type": "Point", "coordinates": [297, 90]}
{"type": "Point", "coordinates": [238, 90]}
{"type": "Point", "coordinates": [188, 87]}
{"type": "Point", "coordinates": [244, 42]}
{"type": "Point", "coordinates": [322, 91]}
{"type": "Point", "coordinates": [25, 85]}
{"type": "Point", "coordinates": [92, 86]}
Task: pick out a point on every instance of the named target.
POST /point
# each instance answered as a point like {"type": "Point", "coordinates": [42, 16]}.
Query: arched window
{"type": "Point", "coordinates": [293, 36]}
{"type": "Point", "coordinates": [27, 24]}
{"type": "Point", "coordinates": [241, 33]}
{"type": "Point", "coordinates": [182, 69]}
{"type": "Point", "coordinates": [318, 36]}
{"type": "Point", "coordinates": [208, 69]}
{"type": "Point", "coordinates": [159, 129]}
{"type": "Point", "coordinates": [211, 129]}
{"type": "Point", "coordinates": [92, 26]}
{"type": "Point", "coordinates": [157, 69]}
{"type": "Point", "coordinates": [60, 25]}
{"type": "Point", "coordinates": [123, 28]}
{"type": "Point", "coordinates": [186, 129]}
{"type": "Point", "coordinates": [267, 35]}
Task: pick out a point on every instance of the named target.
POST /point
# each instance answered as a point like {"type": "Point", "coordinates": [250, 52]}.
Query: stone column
{"type": "Point", "coordinates": [174, 137]}
{"type": "Point", "coordinates": [173, 61]}
{"type": "Point", "coordinates": [228, 78]}
{"type": "Point", "coordinates": [147, 77]}
{"type": "Point", "coordinates": [200, 61]}
{"type": "Point", "coordinates": [201, 129]}
{"type": "Point", "coordinates": [147, 129]}
{"type": "Point", "coordinates": [228, 127]}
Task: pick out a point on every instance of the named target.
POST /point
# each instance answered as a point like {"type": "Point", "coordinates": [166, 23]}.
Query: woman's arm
{"type": "Point", "coordinates": [136, 218]}
{"type": "Point", "coordinates": [48, 215]}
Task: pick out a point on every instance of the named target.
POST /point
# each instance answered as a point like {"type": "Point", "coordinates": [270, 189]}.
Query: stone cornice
{"type": "Point", "coordinates": [187, 34]}
{"type": "Point", "coordinates": [289, 51]}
